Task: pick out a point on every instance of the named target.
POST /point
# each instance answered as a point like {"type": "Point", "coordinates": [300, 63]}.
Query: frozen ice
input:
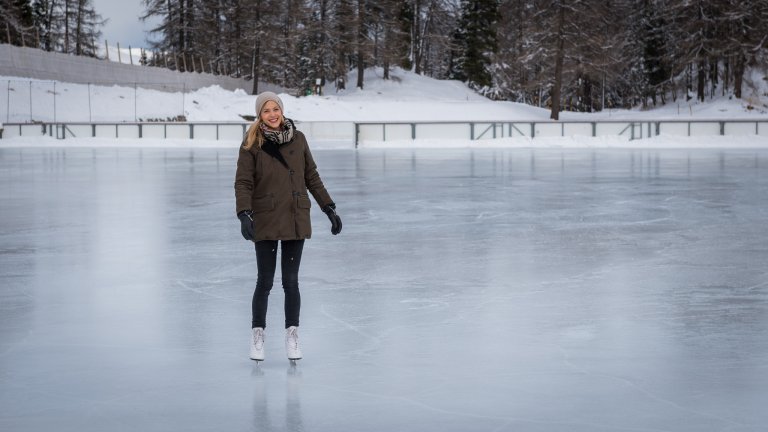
{"type": "Point", "coordinates": [470, 290]}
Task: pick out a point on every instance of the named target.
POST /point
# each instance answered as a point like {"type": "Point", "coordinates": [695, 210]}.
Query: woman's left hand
{"type": "Point", "coordinates": [330, 211]}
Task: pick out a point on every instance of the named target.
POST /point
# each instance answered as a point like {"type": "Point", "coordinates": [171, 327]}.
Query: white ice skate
{"type": "Point", "coordinates": [292, 343]}
{"type": "Point", "coordinates": [257, 344]}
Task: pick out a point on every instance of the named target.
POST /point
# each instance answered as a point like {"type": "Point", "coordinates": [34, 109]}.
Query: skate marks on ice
{"type": "Point", "coordinates": [471, 290]}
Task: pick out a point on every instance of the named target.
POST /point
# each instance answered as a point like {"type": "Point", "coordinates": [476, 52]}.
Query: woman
{"type": "Point", "coordinates": [275, 170]}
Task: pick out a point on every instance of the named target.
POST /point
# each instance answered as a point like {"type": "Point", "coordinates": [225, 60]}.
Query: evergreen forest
{"type": "Point", "coordinates": [578, 55]}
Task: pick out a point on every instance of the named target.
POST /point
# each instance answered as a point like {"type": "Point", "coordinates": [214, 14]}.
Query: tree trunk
{"type": "Point", "coordinates": [48, 24]}
{"type": "Point", "coordinates": [180, 28]}
{"type": "Point", "coordinates": [79, 28]}
{"type": "Point", "coordinates": [559, 57]}
{"type": "Point", "coordinates": [386, 52]}
{"type": "Point", "coordinates": [701, 80]}
{"type": "Point", "coordinates": [416, 39]}
{"type": "Point", "coordinates": [255, 68]}
{"type": "Point", "coordinates": [66, 26]}
{"type": "Point", "coordinates": [738, 75]}
{"type": "Point", "coordinates": [360, 41]}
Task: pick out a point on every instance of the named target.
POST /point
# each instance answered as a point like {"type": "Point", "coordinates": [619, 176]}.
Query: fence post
{"type": "Point", "coordinates": [8, 102]}
{"type": "Point", "coordinates": [55, 96]}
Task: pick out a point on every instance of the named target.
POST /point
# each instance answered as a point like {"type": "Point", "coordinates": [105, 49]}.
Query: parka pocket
{"type": "Point", "coordinates": [263, 204]}
{"type": "Point", "coordinates": [304, 202]}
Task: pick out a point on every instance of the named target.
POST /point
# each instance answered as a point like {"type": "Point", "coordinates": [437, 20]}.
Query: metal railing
{"type": "Point", "coordinates": [162, 130]}
{"type": "Point", "coordinates": [369, 131]}
{"type": "Point", "coordinates": [361, 132]}
{"type": "Point", "coordinates": [216, 131]}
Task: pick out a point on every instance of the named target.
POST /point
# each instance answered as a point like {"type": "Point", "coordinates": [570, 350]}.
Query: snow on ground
{"type": "Point", "coordinates": [406, 97]}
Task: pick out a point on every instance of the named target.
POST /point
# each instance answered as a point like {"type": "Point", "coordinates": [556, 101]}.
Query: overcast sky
{"type": "Point", "coordinates": [124, 25]}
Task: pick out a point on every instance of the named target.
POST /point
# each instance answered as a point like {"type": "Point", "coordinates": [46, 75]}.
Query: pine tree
{"type": "Point", "coordinates": [510, 74]}
{"type": "Point", "coordinates": [475, 41]}
{"type": "Point", "coordinates": [47, 21]}
{"type": "Point", "coordinates": [650, 30]}
{"type": "Point", "coordinates": [344, 37]}
{"type": "Point", "coordinates": [317, 41]}
{"type": "Point", "coordinates": [16, 22]}
{"type": "Point", "coordinates": [432, 24]}
{"type": "Point", "coordinates": [389, 39]}
{"type": "Point", "coordinates": [172, 29]}
{"type": "Point", "coordinates": [361, 42]}
{"type": "Point", "coordinates": [84, 25]}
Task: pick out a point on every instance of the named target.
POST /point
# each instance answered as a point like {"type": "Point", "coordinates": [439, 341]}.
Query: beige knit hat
{"type": "Point", "coordinates": [265, 97]}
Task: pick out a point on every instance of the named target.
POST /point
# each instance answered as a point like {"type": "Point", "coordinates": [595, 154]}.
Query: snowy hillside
{"type": "Point", "coordinates": [406, 97]}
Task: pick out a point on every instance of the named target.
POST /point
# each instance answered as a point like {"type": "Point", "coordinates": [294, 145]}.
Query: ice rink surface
{"type": "Point", "coordinates": [470, 290]}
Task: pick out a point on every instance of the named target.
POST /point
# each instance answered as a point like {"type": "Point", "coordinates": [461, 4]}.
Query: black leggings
{"type": "Point", "coordinates": [266, 261]}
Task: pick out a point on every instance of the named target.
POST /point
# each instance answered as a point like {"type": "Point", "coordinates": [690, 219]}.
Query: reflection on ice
{"type": "Point", "coordinates": [535, 290]}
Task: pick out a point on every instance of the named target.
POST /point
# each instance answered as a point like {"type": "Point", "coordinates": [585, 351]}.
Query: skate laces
{"type": "Point", "coordinates": [293, 337]}
{"type": "Point", "coordinates": [258, 338]}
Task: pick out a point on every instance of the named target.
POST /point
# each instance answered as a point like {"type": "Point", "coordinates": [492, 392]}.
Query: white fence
{"type": "Point", "coordinates": [492, 130]}
{"type": "Point", "coordinates": [339, 134]}
{"type": "Point", "coordinates": [38, 64]}
{"type": "Point", "coordinates": [353, 134]}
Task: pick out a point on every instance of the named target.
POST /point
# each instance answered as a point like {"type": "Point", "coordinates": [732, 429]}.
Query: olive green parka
{"type": "Point", "coordinates": [276, 194]}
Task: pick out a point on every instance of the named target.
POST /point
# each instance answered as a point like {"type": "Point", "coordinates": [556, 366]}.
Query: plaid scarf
{"type": "Point", "coordinates": [282, 136]}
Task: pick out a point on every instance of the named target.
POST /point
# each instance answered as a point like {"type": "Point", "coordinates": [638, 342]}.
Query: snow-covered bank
{"type": "Point", "coordinates": [406, 97]}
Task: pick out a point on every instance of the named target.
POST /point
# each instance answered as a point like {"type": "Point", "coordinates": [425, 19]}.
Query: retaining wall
{"type": "Point", "coordinates": [36, 63]}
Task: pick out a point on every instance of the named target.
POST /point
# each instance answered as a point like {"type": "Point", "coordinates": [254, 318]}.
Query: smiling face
{"type": "Point", "coordinates": [271, 115]}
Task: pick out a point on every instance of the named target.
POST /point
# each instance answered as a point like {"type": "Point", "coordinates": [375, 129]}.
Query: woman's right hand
{"type": "Point", "coordinates": [246, 224]}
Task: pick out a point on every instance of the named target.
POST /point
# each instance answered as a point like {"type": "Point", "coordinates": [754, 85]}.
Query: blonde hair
{"type": "Point", "coordinates": [255, 136]}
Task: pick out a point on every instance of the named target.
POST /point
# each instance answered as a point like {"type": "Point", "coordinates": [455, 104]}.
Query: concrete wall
{"type": "Point", "coordinates": [35, 63]}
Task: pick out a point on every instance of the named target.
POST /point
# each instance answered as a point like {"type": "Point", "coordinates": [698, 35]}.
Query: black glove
{"type": "Point", "coordinates": [330, 211]}
{"type": "Point", "coordinates": [246, 224]}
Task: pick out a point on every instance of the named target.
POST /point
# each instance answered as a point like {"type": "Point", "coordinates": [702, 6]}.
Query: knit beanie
{"type": "Point", "coordinates": [265, 97]}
